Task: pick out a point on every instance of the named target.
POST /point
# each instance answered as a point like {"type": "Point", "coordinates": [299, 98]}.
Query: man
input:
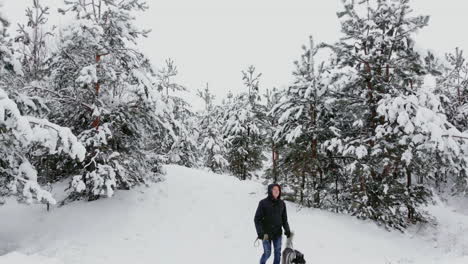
{"type": "Point", "coordinates": [269, 218]}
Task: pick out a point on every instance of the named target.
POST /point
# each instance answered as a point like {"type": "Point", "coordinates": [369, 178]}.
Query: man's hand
{"type": "Point", "coordinates": [288, 234]}
{"type": "Point", "coordinates": [265, 237]}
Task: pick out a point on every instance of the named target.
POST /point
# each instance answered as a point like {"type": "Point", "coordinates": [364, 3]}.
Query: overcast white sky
{"type": "Point", "coordinates": [213, 40]}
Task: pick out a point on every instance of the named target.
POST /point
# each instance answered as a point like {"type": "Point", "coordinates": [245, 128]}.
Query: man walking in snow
{"type": "Point", "coordinates": [270, 217]}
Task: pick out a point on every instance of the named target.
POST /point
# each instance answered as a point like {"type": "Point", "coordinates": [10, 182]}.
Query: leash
{"type": "Point", "coordinates": [256, 242]}
{"type": "Point", "coordinates": [290, 243]}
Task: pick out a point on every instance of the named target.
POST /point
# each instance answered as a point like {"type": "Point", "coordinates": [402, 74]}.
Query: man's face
{"type": "Point", "coordinates": [275, 191]}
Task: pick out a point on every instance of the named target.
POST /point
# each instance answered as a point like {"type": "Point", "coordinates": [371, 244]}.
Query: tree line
{"type": "Point", "coordinates": [370, 126]}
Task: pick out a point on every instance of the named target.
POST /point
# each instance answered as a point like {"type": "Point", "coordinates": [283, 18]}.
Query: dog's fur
{"type": "Point", "coordinates": [290, 255]}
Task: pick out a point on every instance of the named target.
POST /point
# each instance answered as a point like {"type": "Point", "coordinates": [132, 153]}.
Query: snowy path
{"type": "Point", "coordinates": [200, 217]}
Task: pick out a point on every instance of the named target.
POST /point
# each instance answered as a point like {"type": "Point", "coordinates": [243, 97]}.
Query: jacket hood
{"type": "Point", "coordinates": [270, 190]}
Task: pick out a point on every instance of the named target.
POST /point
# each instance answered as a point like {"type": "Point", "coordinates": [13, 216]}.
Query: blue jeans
{"type": "Point", "coordinates": [267, 250]}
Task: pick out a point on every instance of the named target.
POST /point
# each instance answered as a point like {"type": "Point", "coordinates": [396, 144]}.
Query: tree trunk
{"type": "Point", "coordinates": [274, 157]}
{"type": "Point", "coordinates": [408, 182]}
{"type": "Point", "coordinates": [336, 187]}
{"type": "Point", "coordinates": [302, 185]}
{"type": "Point", "coordinates": [96, 121]}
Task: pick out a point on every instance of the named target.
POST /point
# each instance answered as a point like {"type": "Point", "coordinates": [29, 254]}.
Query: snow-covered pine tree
{"type": "Point", "coordinates": [452, 86]}
{"type": "Point", "coordinates": [305, 122]}
{"type": "Point", "coordinates": [182, 149]}
{"type": "Point", "coordinates": [166, 83]}
{"type": "Point", "coordinates": [392, 131]}
{"type": "Point", "coordinates": [272, 98]}
{"type": "Point", "coordinates": [211, 141]}
{"type": "Point", "coordinates": [22, 135]}
{"type": "Point", "coordinates": [10, 66]}
{"type": "Point", "coordinates": [32, 43]}
{"type": "Point", "coordinates": [243, 128]}
{"type": "Point", "coordinates": [33, 39]}
{"type": "Point", "coordinates": [104, 88]}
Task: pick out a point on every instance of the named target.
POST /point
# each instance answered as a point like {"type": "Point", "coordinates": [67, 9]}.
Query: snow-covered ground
{"type": "Point", "coordinates": [199, 217]}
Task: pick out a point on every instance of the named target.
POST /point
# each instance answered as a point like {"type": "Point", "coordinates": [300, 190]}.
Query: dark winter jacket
{"type": "Point", "coordinates": [271, 216]}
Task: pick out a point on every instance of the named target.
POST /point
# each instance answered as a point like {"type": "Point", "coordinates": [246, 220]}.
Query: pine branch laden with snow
{"type": "Point", "coordinates": [9, 63]}
{"type": "Point", "coordinates": [420, 122]}
{"type": "Point", "coordinates": [24, 136]}
{"type": "Point", "coordinates": [18, 133]}
{"type": "Point", "coordinates": [424, 135]}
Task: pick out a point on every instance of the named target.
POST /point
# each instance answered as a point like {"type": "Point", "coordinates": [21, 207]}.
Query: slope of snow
{"type": "Point", "coordinates": [199, 217]}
